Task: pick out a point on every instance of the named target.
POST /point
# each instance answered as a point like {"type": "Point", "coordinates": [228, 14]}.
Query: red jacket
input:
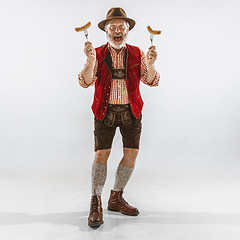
{"type": "Point", "coordinates": [103, 82]}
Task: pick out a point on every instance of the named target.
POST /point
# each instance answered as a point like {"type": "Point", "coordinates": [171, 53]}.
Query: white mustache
{"type": "Point", "coordinates": [117, 35]}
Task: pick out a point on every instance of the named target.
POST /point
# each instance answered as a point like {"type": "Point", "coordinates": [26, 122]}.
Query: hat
{"type": "Point", "coordinates": [116, 13]}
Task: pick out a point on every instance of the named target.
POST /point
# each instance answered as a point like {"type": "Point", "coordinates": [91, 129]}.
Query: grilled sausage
{"type": "Point", "coordinates": [85, 27]}
{"type": "Point", "coordinates": [154, 32]}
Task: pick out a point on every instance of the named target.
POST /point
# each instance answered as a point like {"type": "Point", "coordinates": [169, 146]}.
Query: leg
{"type": "Point", "coordinates": [101, 156]}
{"type": "Point", "coordinates": [131, 137]}
{"type": "Point", "coordinates": [103, 141]}
{"type": "Point", "coordinates": [129, 157]}
{"type": "Point", "coordinates": [99, 171]}
{"type": "Point", "coordinates": [99, 174]}
{"type": "Point", "coordinates": [103, 136]}
{"type": "Point", "coordinates": [116, 201]}
{"type": "Point", "coordinates": [125, 168]}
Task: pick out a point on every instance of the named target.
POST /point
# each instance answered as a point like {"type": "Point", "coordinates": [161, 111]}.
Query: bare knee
{"type": "Point", "coordinates": [101, 156]}
{"type": "Point", "coordinates": [130, 153]}
{"type": "Point", "coordinates": [129, 157]}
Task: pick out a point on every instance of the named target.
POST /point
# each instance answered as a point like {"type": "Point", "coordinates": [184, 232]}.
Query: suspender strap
{"type": "Point", "coordinates": [116, 73]}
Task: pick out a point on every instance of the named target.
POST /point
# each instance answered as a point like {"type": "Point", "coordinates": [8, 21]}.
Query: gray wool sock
{"type": "Point", "coordinates": [123, 174]}
{"type": "Point", "coordinates": [99, 174]}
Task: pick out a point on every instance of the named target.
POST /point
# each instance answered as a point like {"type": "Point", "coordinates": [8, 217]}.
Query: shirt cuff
{"type": "Point", "coordinates": [155, 81]}
{"type": "Point", "coordinates": [82, 83]}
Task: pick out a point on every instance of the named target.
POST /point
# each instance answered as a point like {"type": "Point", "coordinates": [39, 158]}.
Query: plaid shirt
{"type": "Point", "coordinates": [118, 92]}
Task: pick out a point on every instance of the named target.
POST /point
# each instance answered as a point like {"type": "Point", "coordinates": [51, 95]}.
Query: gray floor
{"type": "Point", "coordinates": [57, 208]}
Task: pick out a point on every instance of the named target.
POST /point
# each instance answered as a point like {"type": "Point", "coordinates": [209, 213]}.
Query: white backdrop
{"type": "Point", "coordinates": [190, 121]}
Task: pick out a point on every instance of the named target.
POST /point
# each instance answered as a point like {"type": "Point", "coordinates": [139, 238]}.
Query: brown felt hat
{"type": "Point", "coordinates": [116, 13]}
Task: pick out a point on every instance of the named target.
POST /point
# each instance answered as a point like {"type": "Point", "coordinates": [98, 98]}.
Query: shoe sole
{"type": "Point", "coordinates": [129, 214]}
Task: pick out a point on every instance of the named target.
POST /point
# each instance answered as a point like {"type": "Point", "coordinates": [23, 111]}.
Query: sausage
{"type": "Point", "coordinates": [85, 27]}
{"type": "Point", "coordinates": [155, 32]}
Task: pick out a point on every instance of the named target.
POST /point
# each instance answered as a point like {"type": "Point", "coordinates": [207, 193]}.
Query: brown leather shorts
{"type": "Point", "coordinates": [118, 115]}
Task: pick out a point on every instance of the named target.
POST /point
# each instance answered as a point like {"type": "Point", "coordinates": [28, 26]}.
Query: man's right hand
{"type": "Point", "coordinates": [90, 51]}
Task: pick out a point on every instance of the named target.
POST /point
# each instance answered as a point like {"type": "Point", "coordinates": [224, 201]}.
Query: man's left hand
{"type": "Point", "coordinates": [151, 55]}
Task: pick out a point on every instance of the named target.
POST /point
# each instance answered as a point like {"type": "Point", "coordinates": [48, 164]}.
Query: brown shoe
{"type": "Point", "coordinates": [95, 218]}
{"type": "Point", "coordinates": [117, 203]}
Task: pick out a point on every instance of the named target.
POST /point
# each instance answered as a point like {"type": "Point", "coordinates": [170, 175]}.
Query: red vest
{"type": "Point", "coordinates": [103, 82]}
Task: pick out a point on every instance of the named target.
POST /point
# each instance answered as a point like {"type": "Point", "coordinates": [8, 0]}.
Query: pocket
{"type": "Point", "coordinates": [126, 119]}
{"type": "Point", "coordinates": [109, 120]}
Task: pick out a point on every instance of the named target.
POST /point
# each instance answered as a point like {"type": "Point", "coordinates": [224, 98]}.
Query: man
{"type": "Point", "coordinates": [116, 69]}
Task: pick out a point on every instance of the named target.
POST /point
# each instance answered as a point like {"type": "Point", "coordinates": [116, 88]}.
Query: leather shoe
{"type": "Point", "coordinates": [117, 203]}
{"type": "Point", "coordinates": [95, 218]}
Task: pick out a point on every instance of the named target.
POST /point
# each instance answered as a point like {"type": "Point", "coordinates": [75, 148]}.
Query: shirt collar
{"type": "Point", "coordinates": [110, 48]}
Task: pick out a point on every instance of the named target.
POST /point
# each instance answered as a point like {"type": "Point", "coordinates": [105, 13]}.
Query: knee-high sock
{"type": "Point", "coordinates": [99, 174]}
{"type": "Point", "coordinates": [123, 174]}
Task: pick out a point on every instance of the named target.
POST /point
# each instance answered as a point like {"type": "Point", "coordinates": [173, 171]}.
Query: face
{"type": "Point", "coordinates": [117, 30]}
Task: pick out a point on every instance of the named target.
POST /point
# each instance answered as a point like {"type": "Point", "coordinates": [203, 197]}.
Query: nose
{"type": "Point", "coordinates": [117, 30]}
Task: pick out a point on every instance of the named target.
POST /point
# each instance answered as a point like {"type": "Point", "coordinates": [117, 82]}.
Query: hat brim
{"type": "Point", "coordinates": [131, 22]}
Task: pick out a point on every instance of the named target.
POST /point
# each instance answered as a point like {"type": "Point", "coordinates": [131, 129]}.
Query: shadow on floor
{"type": "Point", "coordinates": [112, 219]}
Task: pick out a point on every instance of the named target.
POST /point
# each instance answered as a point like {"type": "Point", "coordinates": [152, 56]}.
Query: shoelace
{"type": "Point", "coordinates": [94, 205]}
{"type": "Point", "coordinates": [122, 200]}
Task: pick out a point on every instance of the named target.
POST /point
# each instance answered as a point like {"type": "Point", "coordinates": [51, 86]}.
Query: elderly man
{"type": "Point", "coordinates": [116, 69]}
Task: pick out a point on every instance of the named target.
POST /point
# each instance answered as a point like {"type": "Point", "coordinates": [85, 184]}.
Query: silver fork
{"type": "Point", "coordinates": [151, 39]}
{"type": "Point", "coordinates": [86, 34]}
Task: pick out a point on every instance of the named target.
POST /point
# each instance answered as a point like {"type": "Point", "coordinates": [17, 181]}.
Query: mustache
{"type": "Point", "coordinates": [117, 35]}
